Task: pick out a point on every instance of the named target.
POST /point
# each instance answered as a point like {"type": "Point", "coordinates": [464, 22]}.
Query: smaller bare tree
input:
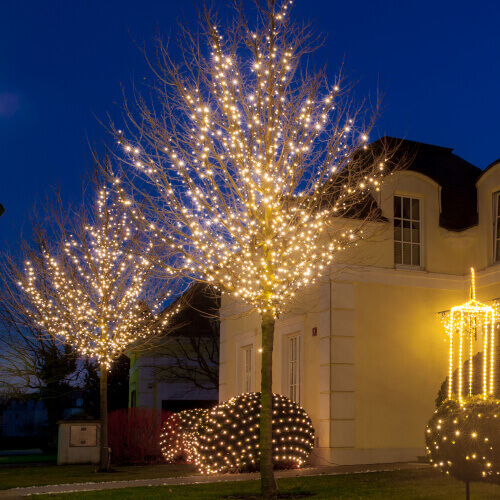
{"type": "Point", "coordinates": [91, 283]}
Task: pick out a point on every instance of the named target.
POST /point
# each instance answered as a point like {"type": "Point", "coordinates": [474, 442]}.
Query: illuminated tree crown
{"type": "Point", "coordinates": [251, 170]}
{"type": "Point", "coordinates": [93, 290]}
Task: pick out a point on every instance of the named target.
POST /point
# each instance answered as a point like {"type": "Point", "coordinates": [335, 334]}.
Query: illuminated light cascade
{"type": "Point", "coordinates": [462, 326]}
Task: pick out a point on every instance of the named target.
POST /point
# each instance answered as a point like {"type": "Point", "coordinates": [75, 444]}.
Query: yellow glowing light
{"type": "Point", "coordinates": [91, 290]}
{"type": "Point", "coordinates": [466, 322]}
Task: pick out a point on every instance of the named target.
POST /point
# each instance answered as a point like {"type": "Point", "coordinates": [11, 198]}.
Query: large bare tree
{"type": "Point", "coordinates": [252, 169]}
{"type": "Point", "coordinates": [90, 282]}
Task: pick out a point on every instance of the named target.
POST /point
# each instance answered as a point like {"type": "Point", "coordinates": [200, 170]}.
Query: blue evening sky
{"type": "Point", "coordinates": [62, 64]}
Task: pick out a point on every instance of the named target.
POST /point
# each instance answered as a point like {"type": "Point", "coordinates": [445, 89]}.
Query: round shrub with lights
{"type": "Point", "coordinates": [179, 436]}
{"type": "Point", "coordinates": [228, 435]}
{"type": "Point", "coordinates": [463, 440]}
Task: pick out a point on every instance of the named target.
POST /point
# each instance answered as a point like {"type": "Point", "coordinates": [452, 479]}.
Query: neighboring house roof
{"type": "Point", "coordinates": [456, 176]}
{"type": "Point", "coordinates": [489, 167]}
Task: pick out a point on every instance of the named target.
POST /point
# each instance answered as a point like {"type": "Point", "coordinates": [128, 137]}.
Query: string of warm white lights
{"type": "Point", "coordinates": [253, 173]}
{"type": "Point", "coordinates": [179, 436]}
{"type": "Point", "coordinates": [463, 439]}
{"type": "Point", "coordinates": [92, 290]}
{"type": "Point", "coordinates": [226, 438]}
{"type": "Point", "coordinates": [462, 325]}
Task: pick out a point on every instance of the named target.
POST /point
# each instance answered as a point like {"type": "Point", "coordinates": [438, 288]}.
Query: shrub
{"type": "Point", "coordinates": [464, 440]}
{"type": "Point", "coordinates": [477, 378]}
{"type": "Point", "coordinates": [179, 436]}
{"type": "Point", "coordinates": [228, 435]}
{"type": "Point", "coordinates": [134, 434]}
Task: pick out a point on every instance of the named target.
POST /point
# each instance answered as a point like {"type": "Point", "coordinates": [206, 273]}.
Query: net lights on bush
{"type": "Point", "coordinates": [179, 436]}
{"type": "Point", "coordinates": [463, 440]}
{"type": "Point", "coordinates": [462, 325]}
{"type": "Point", "coordinates": [226, 438]}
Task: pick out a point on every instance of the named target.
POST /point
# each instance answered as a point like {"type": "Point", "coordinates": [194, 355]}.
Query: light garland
{"type": "Point", "coordinates": [179, 436]}
{"type": "Point", "coordinates": [462, 326]}
{"type": "Point", "coordinates": [463, 440]}
{"type": "Point", "coordinates": [257, 174]}
{"type": "Point", "coordinates": [90, 291]}
{"type": "Point", "coordinates": [226, 438]}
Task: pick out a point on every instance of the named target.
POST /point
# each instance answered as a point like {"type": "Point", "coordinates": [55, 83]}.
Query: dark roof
{"type": "Point", "coordinates": [456, 177]}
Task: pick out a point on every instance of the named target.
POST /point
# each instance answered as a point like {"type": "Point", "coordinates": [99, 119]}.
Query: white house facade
{"type": "Point", "coordinates": [364, 351]}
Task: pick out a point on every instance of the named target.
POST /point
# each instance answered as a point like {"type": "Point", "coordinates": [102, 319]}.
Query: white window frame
{"type": "Point", "coordinates": [496, 226]}
{"type": "Point", "coordinates": [401, 265]}
{"type": "Point", "coordinates": [248, 365]}
{"type": "Point", "coordinates": [293, 367]}
{"type": "Point", "coordinates": [243, 342]}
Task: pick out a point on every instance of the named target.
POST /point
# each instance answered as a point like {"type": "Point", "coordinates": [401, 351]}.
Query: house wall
{"type": "Point", "coordinates": [371, 374]}
{"type": "Point", "coordinates": [152, 389]}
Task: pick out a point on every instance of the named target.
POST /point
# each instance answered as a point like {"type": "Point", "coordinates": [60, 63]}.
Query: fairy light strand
{"type": "Point", "coordinates": [257, 176]}
{"type": "Point", "coordinates": [90, 291]}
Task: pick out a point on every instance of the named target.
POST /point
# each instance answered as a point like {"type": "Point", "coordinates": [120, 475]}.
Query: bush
{"type": "Point", "coordinates": [229, 435]}
{"type": "Point", "coordinates": [477, 378]}
{"type": "Point", "coordinates": [464, 441]}
{"type": "Point", "coordinates": [134, 434]}
{"type": "Point", "coordinates": [226, 438]}
{"type": "Point", "coordinates": [179, 436]}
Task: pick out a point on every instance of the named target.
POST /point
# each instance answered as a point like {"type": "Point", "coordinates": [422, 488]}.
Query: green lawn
{"type": "Point", "coordinates": [24, 459]}
{"type": "Point", "coordinates": [42, 475]}
{"type": "Point", "coordinates": [397, 485]}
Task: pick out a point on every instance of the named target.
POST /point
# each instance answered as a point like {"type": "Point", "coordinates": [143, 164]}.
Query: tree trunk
{"type": "Point", "coordinates": [103, 410]}
{"type": "Point", "coordinates": [467, 490]}
{"type": "Point", "coordinates": [268, 482]}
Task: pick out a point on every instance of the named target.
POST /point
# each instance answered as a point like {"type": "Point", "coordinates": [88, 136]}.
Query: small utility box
{"type": "Point", "coordinates": [79, 442]}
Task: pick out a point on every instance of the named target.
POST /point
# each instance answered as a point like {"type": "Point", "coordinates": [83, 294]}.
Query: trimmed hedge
{"type": "Point", "coordinates": [464, 441]}
{"type": "Point", "coordinates": [134, 434]}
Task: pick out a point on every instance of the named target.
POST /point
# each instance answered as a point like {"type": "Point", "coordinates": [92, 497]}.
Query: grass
{"type": "Point", "coordinates": [64, 474]}
{"type": "Point", "coordinates": [24, 459]}
{"type": "Point", "coordinates": [409, 484]}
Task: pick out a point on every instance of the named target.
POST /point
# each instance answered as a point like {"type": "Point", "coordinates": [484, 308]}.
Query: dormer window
{"type": "Point", "coordinates": [407, 231]}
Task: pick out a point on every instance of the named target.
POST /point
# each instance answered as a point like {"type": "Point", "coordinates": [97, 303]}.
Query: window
{"type": "Point", "coordinates": [294, 368]}
{"type": "Point", "coordinates": [407, 231]}
{"type": "Point", "coordinates": [133, 399]}
{"type": "Point", "coordinates": [248, 368]}
{"type": "Point", "coordinates": [496, 220]}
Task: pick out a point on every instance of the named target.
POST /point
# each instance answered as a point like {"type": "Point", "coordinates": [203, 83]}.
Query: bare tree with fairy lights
{"type": "Point", "coordinates": [90, 283]}
{"type": "Point", "coordinates": [252, 170]}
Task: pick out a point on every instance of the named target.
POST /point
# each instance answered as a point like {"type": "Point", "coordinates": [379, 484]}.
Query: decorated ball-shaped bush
{"type": "Point", "coordinates": [179, 436]}
{"type": "Point", "coordinates": [228, 435]}
{"type": "Point", "coordinates": [463, 440]}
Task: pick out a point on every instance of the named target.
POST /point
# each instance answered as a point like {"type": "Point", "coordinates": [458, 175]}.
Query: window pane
{"type": "Point", "coordinates": [498, 251]}
{"type": "Point", "coordinates": [406, 208]}
{"type": "Point", "coordinates": [398, 258]}
{"type": "Point", "coordinates": [397, 206]}
{"type": "Point", "coordinates": [415, 255]}
{"type": "Point", "coordinates": [397, 233]}
{"type": "Point", "coordinates": [498, 204]}
{"type": "Point", "coordinates": [415, 232]}
{"type": "Point", "coordinates": [415, 209]}
{"type": "Point", "coordinates": [406, 231]}
{"type": "Point", "coordinates": [407, 254]}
